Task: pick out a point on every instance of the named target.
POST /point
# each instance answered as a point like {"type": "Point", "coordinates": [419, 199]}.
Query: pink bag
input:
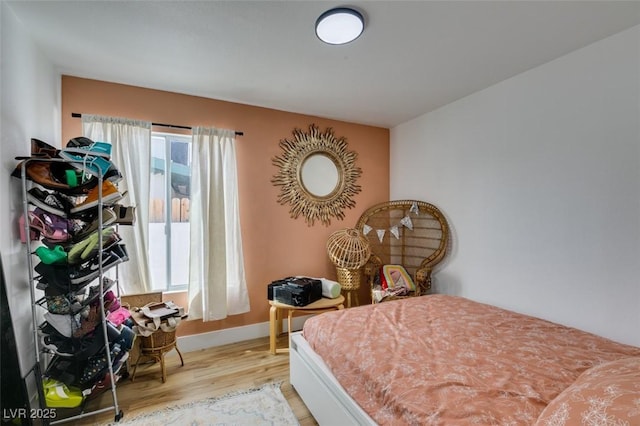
{"type": "Point", "coordinates": [118, 316]}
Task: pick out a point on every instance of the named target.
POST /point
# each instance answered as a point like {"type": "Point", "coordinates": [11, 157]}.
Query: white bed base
{"type": "Point", "coordinates": [322, 394]}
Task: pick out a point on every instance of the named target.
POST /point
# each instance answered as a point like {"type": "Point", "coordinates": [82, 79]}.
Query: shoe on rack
{"type": "Point", "coordinates": [50, 202]}
{"type": "Point", "coordinates": [119, 361]}
{"type": "Point", "coordinates": [110, 195]}
{"type": "Point", "coordinates": [34, 235]}
{"type": "Point", "coordinates": [127, 337]}
{"type": "Point", "coordinates": [83, 143]}
{"type": "Point", "coordinates": [112, 174]}
{"type": "Point", "coordinates": [58, 395]}
{"type": "Point", "coordinates": [88, 248]}
{"type": "Point", "coordinates": [124, 215]}
{"type": "Point", "coordinates": [90, 270]}
{"type": "Point", "coordinates": [61, 304]}
{"type": "Point", "coordinates": [91, 293]}
{"type": "Point", "coordinates": [66, 325]}
{"type": "Point", "coordinates": [79, 142]}
{"type": "Point", "coordinates": [49, 256]}
{"type": "Point", "coordinates": [97, 149]}
{"type": "Point", "coordinates": [62, 347]}
{"type": "Point", "coordinates": [90, 344]}
{"type": "Point", "coordinates": [98, 365]}
{"type": "Point", "coordinates": [102, 385]}
{"type": "Point", "coordinates": [42, 149]}
{"type": "Point", "coordinates": [79, 184]}
{"type": "Point", "coordinates": [46, 329]}
{"type": "Point", "coordinates": [88, 324]}
{"type": "Point", "coordinates": [42, 227]}
{"type": "Point", "coordinates": [55, 221]}
{"type": "Point", "coordinates": [120, 250]}
{"type": "Point", "coordinates": [91, 223]}
{"type": "Point", "coordinates": [56, 275]}
{"type": "Point", "coordinates": [94, 165]}
{"type": "Point", "coordinates": [52, 175]}
{"type": "Point", "coordinates": [111, 302]}
{"type": "Point", "coordinates": [65, 369]}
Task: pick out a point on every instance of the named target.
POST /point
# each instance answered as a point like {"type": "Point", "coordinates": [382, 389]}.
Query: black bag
{"type": "Point", "coordinates": [276, 283]}
{"type": "Point", "coordinates": [297, 291]}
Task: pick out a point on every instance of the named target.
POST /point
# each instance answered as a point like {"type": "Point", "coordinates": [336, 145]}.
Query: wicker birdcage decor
{"type": "Point", "coordinates": [349, 251]}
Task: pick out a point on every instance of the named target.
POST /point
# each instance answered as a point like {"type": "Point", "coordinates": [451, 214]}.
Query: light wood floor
{"type": "Point", "coordinates": [206, 373]}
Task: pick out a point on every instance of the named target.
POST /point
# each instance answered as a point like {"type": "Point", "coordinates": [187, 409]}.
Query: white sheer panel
{"type": "Point", "coordinates": [131, 153]}
{"type": "Point", "coordinates": [217, 284]}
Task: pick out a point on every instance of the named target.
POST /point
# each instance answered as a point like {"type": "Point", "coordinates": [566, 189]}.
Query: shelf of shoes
{"type": "Point", "coordinates": [71, 212]}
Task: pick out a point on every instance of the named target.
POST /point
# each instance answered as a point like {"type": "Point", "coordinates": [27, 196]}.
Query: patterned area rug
{"type": "Point", "coordinates": [261, 406]}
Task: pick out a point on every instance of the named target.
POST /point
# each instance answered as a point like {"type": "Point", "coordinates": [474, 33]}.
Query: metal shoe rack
{"type": "Point", "coordinates": [44, 358]}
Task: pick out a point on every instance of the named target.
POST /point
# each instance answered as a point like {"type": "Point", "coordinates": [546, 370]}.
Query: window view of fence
{"type": "Point", "coordinates": [169, 228]}
{"type": "Point", "coordinates": [179, 210]}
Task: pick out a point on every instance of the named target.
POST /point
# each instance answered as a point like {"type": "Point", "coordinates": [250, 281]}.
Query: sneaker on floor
{"type": "Point", "coordinates": [110, 195]}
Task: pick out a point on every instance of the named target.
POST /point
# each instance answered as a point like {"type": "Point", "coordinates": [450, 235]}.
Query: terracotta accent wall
{"type": "Point", "coordinates": [275, 246]}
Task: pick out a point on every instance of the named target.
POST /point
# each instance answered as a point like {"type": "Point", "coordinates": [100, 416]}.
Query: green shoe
{"type": "Point", "coordinates": [49, 256]}
{"type": "Point", "coordinates": [59, 395]}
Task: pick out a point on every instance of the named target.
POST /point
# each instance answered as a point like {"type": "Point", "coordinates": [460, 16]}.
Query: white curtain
{"type": "Point", "coordinates": [217, 284]}
{"type": "Point", "coordinates": [131, 153]}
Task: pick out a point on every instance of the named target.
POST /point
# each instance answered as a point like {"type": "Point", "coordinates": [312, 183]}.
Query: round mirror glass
{"type": "Point", "coordinates": [319, 175]}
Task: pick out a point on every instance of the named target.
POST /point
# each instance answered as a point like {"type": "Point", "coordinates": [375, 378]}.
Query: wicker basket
{"type": "Point", "coordinates": [349, 279]}
{"type": "Point", "coordinates": [158, 341]}
{"type": "Point", "coordinates": [348, 248]}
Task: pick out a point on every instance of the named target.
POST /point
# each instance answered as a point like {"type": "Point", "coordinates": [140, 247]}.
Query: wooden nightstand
{"type": "Point", "coordinates": [276, 315]}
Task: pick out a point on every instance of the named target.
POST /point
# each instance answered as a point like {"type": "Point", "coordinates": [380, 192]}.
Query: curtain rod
{"type": "Point", "coordinates": [175, 126]}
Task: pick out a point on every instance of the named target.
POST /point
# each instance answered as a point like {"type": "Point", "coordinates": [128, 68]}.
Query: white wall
{"type": "Point", "coordinates": [539, 177]}
{"type": "Point", "coordinates": [30, 105]}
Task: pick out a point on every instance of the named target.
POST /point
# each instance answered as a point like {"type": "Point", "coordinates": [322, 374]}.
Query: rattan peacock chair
{"type": "Point", "coordinates": [421, 241]}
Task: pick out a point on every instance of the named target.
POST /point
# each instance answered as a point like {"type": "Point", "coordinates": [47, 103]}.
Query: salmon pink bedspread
{"type": "Point", "coordinates": [448, 360]}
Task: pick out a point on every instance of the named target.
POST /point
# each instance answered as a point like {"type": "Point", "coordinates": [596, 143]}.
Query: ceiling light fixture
{"type": "Point", "coordinates": [340, 25]}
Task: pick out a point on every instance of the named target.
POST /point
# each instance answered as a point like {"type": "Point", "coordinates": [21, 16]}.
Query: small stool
{"type": "Point", "coordinates": [155, 346]}
{"type": "Point", "coordinates": [275, 315]}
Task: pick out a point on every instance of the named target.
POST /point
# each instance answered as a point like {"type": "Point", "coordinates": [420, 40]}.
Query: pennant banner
{"type": "Point", "coordinates": [395, 232]}
{"type": "Point", "coordinates": [394, 229]}
{"type": "Point", "coordinates": [406, 221]}
{"type": "Point", "coordinates": [414, 208]}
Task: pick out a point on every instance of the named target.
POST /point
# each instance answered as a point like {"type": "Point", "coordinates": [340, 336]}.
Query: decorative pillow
{"type": "Point", "coordinates": [607, 394]}
{"type": "Point", "coordinates": [394, 277]}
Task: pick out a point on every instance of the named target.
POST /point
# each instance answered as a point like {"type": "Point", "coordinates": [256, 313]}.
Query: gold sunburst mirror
{"type": "Point", "coordinates": [317, 175]}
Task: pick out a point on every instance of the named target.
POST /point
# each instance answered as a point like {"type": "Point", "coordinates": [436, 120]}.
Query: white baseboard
{"type": "Point", "coordinates": [195, 342]}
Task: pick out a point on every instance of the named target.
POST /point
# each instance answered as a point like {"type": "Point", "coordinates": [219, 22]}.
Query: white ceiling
{"type": "Point", "coordinates": [412, 58]}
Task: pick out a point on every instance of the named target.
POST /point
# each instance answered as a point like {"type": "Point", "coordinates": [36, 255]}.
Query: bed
{"type": "Point", "coordinates": [447, 360]}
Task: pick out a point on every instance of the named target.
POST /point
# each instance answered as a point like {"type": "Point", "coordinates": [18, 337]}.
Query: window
{"type": "Point", "coordinates": [169, 211]}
